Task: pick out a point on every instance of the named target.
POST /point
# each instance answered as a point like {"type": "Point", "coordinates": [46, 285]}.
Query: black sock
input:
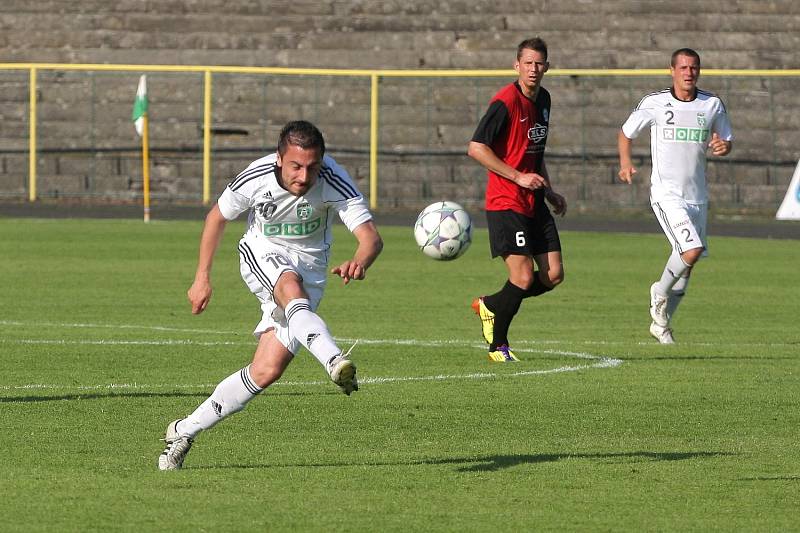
{"type": "Point", "coordinates": [504, 304]}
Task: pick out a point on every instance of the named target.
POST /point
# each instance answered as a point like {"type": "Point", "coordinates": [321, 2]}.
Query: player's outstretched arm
{"type": "Point", "coordinates": [370, 245]}
{"type": "Point", "coordinates": [626, 168]}
{"type": "Point", "coordinates": [199, 293]}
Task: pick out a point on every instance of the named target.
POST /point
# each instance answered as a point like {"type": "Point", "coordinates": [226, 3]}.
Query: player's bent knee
{"type": "Point", "coordinates": [551, 278]}
{"type": "Point", "coordinates": [523, 282]}
{"type": "Point", "coordinates": [266, 376]}
{"type": "Point", "coordinates": [690, 257]}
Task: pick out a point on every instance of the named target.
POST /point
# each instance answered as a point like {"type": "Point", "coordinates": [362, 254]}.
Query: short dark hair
{"type": "Point", "coordinates": [303, 134]}
{"type": "Point", "coordinates": [684, 52]}
{"type": "Point", "coordinates": [535, 43]}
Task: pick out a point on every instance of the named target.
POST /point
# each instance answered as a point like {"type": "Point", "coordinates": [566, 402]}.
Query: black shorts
{"type": "Point", "coordinates": [513, 234]}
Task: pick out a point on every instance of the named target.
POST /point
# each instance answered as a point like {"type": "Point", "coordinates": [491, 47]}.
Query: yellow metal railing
{"type": "Point", "coordinates": [373, 75]}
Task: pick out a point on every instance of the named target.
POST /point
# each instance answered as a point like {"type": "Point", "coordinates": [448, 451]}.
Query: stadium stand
{"type": "Point", "coordinates": [87, 148]}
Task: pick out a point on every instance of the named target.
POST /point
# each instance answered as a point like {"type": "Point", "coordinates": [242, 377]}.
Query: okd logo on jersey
{"type": "Point", "coordinates": [537, 133]}
{"type": "Point", "coordinates": [289, 229]}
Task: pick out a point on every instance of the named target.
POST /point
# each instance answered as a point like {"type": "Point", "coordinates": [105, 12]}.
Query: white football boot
{"type": "Point", "coordinates": [343, 373]}
{"type": "Point", "coordinates": [662, 335]}
{"type": "Point", "coordinates": [177, 447]}
{"type": "Point", "coordinates": [658, 307]}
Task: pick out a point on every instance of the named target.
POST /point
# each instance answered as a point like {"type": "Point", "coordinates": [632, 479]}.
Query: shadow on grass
{"type": "Point", "coordinates": [771, 478]}
{"type": "Point", "coordinates": [493, 463]}
{"type": "Point", "coordinates": [125, 395]}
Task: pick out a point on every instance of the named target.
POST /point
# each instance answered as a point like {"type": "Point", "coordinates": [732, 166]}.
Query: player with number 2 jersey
{"type": "Point", "coordinates": [684, 122]}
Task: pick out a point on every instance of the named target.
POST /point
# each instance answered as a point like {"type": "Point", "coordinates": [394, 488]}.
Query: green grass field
{"type": "Point", "coordinates": [598, 428]}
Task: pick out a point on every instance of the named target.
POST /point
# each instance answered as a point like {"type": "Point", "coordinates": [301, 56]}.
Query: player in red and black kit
{"type": "Point", "coordinates": [509, 142]}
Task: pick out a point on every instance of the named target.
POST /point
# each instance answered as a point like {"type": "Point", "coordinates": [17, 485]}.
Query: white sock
{"type": "Point", "coordinates": [310, 330]}
{"type": "Point", "coordinates": [230, 396]}
{"type": "Point", "coordinates": [673, 271]}
{"type": "Point", "coordinates": [676, 294]}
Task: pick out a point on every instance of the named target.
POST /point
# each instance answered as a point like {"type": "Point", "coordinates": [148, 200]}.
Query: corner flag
{"type": "Point", "coordinates": [140, 105]}
{"type": "Point", "coordinates": [790, 207]}
{"type": "Point", "coordinates": [139, 118]}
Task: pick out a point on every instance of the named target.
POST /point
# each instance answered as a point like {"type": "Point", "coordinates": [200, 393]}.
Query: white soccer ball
{"type": "Point", "coordinates": [443, 231]}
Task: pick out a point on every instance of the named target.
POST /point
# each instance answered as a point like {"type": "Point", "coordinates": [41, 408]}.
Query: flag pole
{"type": "Point", "coordinates": [146, 167]}
{"type": "Point", "coordinates": [140, 120]}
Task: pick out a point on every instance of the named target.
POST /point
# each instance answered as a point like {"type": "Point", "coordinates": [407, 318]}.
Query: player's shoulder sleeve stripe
{"type": "Point", "coordinates": [649, 96]}
{"type": "Point", "coordinates": [711, 95]}
{"type": "Point", "coordinates": [339, 183]}
{"type": "Point", "coordinates": [249, 174]}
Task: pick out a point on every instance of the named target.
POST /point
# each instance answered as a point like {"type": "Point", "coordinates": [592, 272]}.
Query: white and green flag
{"type": "Point", "coordinates": [140, 105]}
{"type": "Point", "coordinates": [790, 207]}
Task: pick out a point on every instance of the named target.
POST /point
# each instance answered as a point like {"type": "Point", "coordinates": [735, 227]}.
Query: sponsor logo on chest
{"type": "Point", "coordinates": [292, 229]}
{"type": "Point", "coordinates": [691, 135]}
{"type": "Point", "coordinates": [537, 133]}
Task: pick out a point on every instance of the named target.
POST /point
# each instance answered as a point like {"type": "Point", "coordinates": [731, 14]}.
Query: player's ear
{"type": "Point", "coordinates": [546, 66]}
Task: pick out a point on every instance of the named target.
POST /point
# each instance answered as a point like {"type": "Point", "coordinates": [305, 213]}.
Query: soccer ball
{"type": "Point", "coordinates": [443, 230]}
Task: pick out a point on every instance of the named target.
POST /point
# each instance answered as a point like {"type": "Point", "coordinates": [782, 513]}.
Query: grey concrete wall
{"type": "Point", "coordinates": [88, 149]}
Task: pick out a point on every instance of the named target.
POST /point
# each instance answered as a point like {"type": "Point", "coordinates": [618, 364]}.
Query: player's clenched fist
{"type": "Point", "coordinates": [199, 295]}
{"type": "Point", "coordinates": [626, 174]}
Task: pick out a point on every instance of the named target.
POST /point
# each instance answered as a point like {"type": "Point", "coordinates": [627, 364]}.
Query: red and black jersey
{"type": "Point", "coordinates": [515, 128]}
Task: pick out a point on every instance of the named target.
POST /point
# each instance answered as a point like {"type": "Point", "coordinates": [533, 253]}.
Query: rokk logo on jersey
{"type": "Point", "coordinates": [690, 135]}
{"type": "Point", "coordinates": [537, 133]}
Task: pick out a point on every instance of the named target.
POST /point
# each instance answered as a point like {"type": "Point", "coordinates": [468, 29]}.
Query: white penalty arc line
{"type": "Point", "coordinates": [602, 362]}
{"type": "Point", "coordinates": [395, 342]}
{"type": "Point", "coordinates": [597, 362]}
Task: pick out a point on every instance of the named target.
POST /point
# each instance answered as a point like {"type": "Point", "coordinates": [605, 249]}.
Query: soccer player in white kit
{"type": "Point", "coordinates": [292, 197]}
{"type": "Point", "coordinates": [684, 122]}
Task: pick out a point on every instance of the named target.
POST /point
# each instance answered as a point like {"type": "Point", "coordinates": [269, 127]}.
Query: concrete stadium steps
{"type": "Point", "coordinates": [457, 34]}
{"type": "Point", "coordinates": [418, 179]}
{"type": "Point", "coordinates": [79, 111]}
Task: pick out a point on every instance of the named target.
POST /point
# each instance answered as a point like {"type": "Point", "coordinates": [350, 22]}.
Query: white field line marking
{"type": "Point", "coordinates": [604, 362]}
{"type": "Point", "coordinates": [176, 342]}
{"type": "Point", "coordinates": [596, 362]}
{"type": "Point", "coordinates": [399, 342]}
{"type": "Point", "coordinates": [110, 326]}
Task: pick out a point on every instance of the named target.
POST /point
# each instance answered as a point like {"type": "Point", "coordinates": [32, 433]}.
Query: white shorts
{"type": "Point", "coordinates": [684, 224]}
{"type": "Point", "coordinates": [261, 264]}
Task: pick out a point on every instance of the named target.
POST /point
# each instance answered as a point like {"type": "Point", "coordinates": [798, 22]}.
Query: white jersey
{"type": "Point", "coordinates": [301, 224]}
{"type": "Point", "coordinates": [679, 136]}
